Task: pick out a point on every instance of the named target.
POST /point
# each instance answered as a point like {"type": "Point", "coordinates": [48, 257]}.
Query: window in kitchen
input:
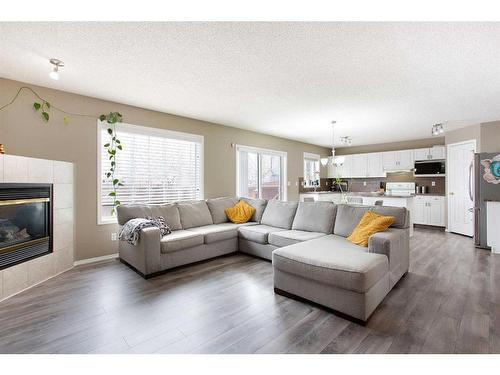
{"type": "Point", "coordinates": [155, 166]}
{"type": "Point", "coordinates": [260, 173]}
{"type": "Point", "coordinates": [311, 168]}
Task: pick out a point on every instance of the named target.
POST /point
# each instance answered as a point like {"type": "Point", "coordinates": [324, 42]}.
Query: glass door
{"type": "Point", "coordinates": [261, 173]}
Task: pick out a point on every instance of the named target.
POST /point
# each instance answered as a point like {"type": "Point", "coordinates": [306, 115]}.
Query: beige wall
{"type": "Point", "coordinates": [23, 133]}
{"type": "Point", "coordinates": [465, 134]}
{"type": "Point", "coordinates": [490, 137]}
{"type": "Point", "coordinates": [394, 146]}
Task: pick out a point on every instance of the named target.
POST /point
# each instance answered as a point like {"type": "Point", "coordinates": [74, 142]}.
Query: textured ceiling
{"type": "Point", "coordinates": [382, 82]}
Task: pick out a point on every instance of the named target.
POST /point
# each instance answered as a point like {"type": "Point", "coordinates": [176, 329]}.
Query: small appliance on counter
{"type": "Point", "coordinates": [400, 188]}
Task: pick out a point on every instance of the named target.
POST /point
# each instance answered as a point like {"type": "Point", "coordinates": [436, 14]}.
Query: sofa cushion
{"type": "Point", "coordinates": [194, 214]}
{"type": "Point", "coordinates": [257, 233]}
{"type": "Point", "coordinates": [126, 212]}
{"type": "Point", "coordinates": [348, 216]}
{"type": "Point", "coordinates": [369, 224]}
{"type": "Point", "coordinates": [259, 205]}
{"type": "Point", "coordinates": [279, 214]}
{"type": "Point", "coordinates": [332, 260]}
{"type": "Point", "coordinates": [180, 240]}
{"type": "Point", "coordinates": [315, 217]}
{"type": "Point", "coordinates": [169, 212]}
{"type": "Point", "coordinates": [219, 232]}
{"type": "Point", "coordinates": [240, 213]}
{"type": "Point", "coordinates": [217, 207]}
{"type": "Point", "coordinates": [290, 237]}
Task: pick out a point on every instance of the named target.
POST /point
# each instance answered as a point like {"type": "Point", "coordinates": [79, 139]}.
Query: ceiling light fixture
{"type": "Point", "coordinates": [437, 129]}
{"type": "Point", "coordinates": [346, 140]}
{"type": "Point", "coordinates": [333, 160]}
{"type": "Point", "coordinates": [54, 74]}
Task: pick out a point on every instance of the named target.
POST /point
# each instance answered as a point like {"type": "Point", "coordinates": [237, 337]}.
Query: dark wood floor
{"type": "Point", "coordinates": [448, 303]}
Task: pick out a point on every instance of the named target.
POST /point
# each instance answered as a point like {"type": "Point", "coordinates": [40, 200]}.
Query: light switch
{"type": "Point", "coordinates": [364, 183]}
{"type": "Point", "coordinates": [433, 183]}
{"type": "Point", "coordinates": [288, 183]}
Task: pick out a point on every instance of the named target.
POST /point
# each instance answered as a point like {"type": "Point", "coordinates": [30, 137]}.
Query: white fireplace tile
{"type": "Point", "coordinates": [63, 260]}
{"type": "Point", "coordinates": [40, 171]}
{"type": "Point", "coordinates": [1, 167]}
{"type": "Point", "coordinates": [63, 236]}
{"type": "Point", "coordinates": [63, 215]}
{"type": "Point", "coordinates": [63, 172]}
{"type": "Point", "coordinates": [40, 269]}
{"type": "Point", "coordinates": [15, 168]}
{"type": "Point", "coordinates": [63, 195]}
{"type": "Point", "coordinates": [15, 279]}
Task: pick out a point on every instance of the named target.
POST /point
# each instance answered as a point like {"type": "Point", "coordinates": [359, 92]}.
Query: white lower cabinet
{"type": "Point", "coordinates": [430, 210]}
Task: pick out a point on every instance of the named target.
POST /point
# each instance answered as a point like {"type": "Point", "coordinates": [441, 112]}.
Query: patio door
{"type": "Point", "coordinates": [260, 173]}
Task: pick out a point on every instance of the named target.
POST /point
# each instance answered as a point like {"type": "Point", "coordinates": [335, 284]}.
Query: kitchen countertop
{"type": "Point", "coordinates": [362, 194]}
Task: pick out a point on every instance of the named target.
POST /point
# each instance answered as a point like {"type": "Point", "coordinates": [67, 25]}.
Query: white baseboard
{"type": "Point", "coordinates": [96, 259]}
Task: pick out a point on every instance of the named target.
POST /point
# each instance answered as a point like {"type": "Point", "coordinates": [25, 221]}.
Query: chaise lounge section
{"type": "Point", "coordinates": [306, 241]}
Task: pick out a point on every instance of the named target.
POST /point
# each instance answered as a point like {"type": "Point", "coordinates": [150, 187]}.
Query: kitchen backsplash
{"type": "Point", "coordinates": [373, 184]}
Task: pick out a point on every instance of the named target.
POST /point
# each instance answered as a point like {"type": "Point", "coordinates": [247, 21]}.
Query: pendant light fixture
{"type": "Point", "coordinates": [333, 160]}
{"type": "Point", "coordinates": [54, 74]}
{"type": "Point", "coordinates": [437, 129]}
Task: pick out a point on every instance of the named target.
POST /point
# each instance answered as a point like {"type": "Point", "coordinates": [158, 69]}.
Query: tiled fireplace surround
{"type": "Point", "coordinates": [17, 169]}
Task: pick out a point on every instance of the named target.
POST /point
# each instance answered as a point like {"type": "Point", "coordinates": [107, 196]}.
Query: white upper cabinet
{"type": "Point", "coordinates": [433, 153]}
{"type": "Point", "coordinates": [397, 160]}
{"type": "Point", "coordinates": [375, 166]}
{"type": "Point", "coordinates": [359, 165]}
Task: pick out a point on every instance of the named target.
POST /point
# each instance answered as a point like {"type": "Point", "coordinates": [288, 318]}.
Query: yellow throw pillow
{"type": "Point", "coordinates": [240, 213]}
{"type": "Point", "coordinates": [369, 224]}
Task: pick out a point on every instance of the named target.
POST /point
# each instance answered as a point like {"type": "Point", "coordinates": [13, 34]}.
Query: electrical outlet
{"type": "Point", "coordinates": [433, 183]}
{"type": "Point", "coordinates": [288, 183]}
{"type": "Point", "coordinates": [364, 183]}
{"type": "Point", "coordinates": [113, 237]}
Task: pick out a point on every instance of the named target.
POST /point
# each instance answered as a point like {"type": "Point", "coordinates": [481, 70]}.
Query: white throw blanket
{"type": "Point", "coordinates": [131, 231]}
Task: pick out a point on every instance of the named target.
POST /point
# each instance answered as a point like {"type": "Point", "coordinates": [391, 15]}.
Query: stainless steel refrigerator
{"type": "Point", "coordinates": [486, 188]}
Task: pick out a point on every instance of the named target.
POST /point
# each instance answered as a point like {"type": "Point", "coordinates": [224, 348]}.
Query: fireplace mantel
{"type": "Point", "coordinates": [59, 175]}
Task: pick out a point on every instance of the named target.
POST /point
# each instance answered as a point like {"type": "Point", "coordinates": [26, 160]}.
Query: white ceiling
{"type": "Point", "coordinates": [382, 82]}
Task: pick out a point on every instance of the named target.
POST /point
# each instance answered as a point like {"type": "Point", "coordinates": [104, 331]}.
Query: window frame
{"type": "Point", "coordinates": [148, 131]}
{"type": "Point", "coordinates": [283, 167]}
{"type": "Point", "coordinates": [307, 157]}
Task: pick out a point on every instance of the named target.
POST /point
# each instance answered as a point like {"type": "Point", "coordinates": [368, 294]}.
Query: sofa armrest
{"type": "Point", "coordinates": [393, 243]}
{"type": "Point", "coordinates": [145, 256]}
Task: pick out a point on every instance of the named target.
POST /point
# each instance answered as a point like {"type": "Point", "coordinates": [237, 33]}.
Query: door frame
{"type": "Point", "coordinates": [259, 150]}
{"type": "Point", "coordinates": [447, 208]}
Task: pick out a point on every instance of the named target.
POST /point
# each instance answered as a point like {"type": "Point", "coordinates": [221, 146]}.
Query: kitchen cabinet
{"type": "Point", "coordinates": [430, 210]}
{"type": "Point", "coordinates": [433, 153]}
{"type": "Point", "coordinates": [375, 167]}
{"type": "Point", "coordinates": [397, 160]}
{"type": "Point", "coordinates": [359, 164]}
{"type": "Point", "coordinates": [344, 170]}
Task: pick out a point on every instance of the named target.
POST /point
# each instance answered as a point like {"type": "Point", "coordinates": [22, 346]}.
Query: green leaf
{"type": "Point", "coordinates": [108, 175]}
{"type": "Point", "coordinates": [117, 141]}
{"type": "Point", "coordinates": [120, 147]}
{"type": "Point", "coordinates": [102, 117]}
{"type": "Point", "coordinates": [106, 145]}
{"type": "Point", "coordinates": [66, 120]}
{"type": "Point", "coordinates": [120, 184]}
{"type": "Point", "coordinates": [48, 105]}
{"type": "Point", "coordinates": [110, 131]}
{"type": "Point", "coordinates": [36, 106]}
{"type": "Point", "coordinates": [113, 163]}
{"type": "Point", "coordinates": [115, 181]}
{"type": "Point", "coordinates": [45, 116]}
{"type": "Point", "coordinates": [112, 194]}
{"type": "Point", "coordinates": [117, 203]}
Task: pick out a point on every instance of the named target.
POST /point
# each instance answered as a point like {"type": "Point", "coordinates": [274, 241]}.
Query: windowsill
{"type": "Point", "coordinates": [107, 220]}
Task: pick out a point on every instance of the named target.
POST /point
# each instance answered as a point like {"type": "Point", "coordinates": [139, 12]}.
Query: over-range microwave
{"type": "Point", "coordinates": [429, 168]}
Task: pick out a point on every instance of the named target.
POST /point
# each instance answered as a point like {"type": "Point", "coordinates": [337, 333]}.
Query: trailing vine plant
{"type": "Point", "coordinates": [113, 146]}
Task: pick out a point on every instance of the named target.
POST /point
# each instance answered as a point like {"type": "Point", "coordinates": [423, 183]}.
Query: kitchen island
{"type": "Point", "coordinates": [365, 198]}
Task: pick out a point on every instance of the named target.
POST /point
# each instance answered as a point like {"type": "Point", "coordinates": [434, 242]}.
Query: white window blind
{"type": "Point", "coordinates": [155, 166]}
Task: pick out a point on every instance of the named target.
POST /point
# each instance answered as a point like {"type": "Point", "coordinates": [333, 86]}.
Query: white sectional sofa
{"type": "Point", "coordinates": [306, 242]}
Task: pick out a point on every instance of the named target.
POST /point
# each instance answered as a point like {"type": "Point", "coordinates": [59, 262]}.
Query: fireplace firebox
{"type": "Point", "coordinates": [25, 222]}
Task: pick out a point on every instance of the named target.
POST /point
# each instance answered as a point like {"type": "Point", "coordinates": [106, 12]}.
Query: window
{"type": "Point", "coordinates": [155, 166]}
{"type": "Point", "coordinates": [260, 173]}
{"type": "Point", "coordinates": [311, 168]}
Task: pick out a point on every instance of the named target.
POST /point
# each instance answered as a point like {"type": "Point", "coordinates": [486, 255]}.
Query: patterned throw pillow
{"type": "Point", "coordinates": [161, 224]}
